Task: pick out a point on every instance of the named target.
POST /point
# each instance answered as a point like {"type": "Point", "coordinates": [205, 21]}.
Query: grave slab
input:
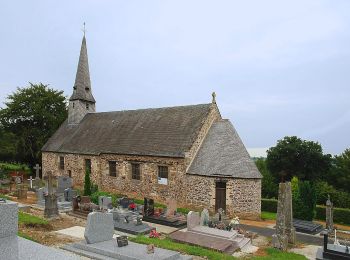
{"type": "Point", "coordinates": [133, 251]}
{"type": "Point", "coordinates": [99, 227]}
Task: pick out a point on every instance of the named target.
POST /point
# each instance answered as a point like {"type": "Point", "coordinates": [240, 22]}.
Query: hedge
{"type": "Point", "coordinates": [340, 215]}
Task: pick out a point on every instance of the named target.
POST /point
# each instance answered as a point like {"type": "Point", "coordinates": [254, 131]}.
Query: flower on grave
{"type": "Point", "coordinates": [154, 234]}
{"type": "Point", "coordinates": [132, 206]}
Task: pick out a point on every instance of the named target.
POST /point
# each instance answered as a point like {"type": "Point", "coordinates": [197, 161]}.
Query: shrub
{"type": "Point", "coordinates": [340, 215]}
{"type": "Point", "coordinates": [269, 205]}
{"type": "Point", "coordinates": [87, 183]}
{"type": "Point", "coordinates": [340, 199]}
{"type": "Point", "coordinates": [305, 202]}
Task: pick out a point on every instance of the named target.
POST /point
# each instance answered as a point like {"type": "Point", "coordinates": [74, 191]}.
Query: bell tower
{"type": "Point", "coordinates": [82, 101]}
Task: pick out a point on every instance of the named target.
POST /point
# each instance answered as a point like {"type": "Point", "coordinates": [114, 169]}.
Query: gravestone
{"type": "Point", "coordinates": [85, 199]}
{"type": "Point", "coordinates": [37, 176]}
{"type": "Point", "coordinates": [171, 207]}
{"type": "Point", "coordinates": [125, 202]}
{"type": "Point", "coordinates": [31, 183]}
{"type": "Point", "coordinates": [21, 192]}
{"type": "Point", "coordinates": [40, 194]}
{"type": "Point", "coordinates": [193, 220]}
{"type": "Point", "coordinates": [99, 227]}
{"type": "Point", "coordinates": [69, 194]}
{"type": "Point", "coordinates": [285, 232]}
{"type": "Point", "coordinates": [64, 182]}
{"type": "Point", "coordinates": [329, 215]}
{"type": "Point", "coordinates": [122, 241]}
{"type": "Point", "coordinates": [204, 217]}
{"type": "Point", "coordinates": [148, 207]}
{"type": "Point", "coordinates": [51, 207]}
{"type": "Point", "coordinates": [9, 219]}
{"type": "Point", "coordinates": [105, 202]}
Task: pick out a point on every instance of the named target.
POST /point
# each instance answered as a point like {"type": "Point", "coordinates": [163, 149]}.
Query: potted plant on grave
{"type": "Point", "coordinates": [132, 206]}
{"type": "Point", "coordinates": [154, 234]}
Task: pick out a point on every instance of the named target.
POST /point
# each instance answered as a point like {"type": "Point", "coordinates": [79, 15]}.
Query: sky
{"type": "Point", "coordinates": [279, 68]}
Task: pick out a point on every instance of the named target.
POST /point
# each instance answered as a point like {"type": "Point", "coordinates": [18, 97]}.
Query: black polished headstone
{"type": "Point", "coordinates": [148, 207]}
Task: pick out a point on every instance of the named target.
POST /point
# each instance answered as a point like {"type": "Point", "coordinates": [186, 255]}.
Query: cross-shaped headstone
{"type": "Point", "coordinates": [31, 182]}
{"type": "Point", "coordinates": [37, 171]}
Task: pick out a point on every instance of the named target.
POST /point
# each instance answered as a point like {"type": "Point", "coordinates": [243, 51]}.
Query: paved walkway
{"type": "Point", "coordinates": [301, 237]}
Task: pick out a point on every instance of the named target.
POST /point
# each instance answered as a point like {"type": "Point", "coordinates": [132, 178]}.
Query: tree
{"type": "Point", "coordinates": [32, 115]}
{"type": "Point", "coordinates": [339, 176]}
{"type": "Point", "coordinates": [87, 183]}
{"type": "Point", "coordinates": [7, 146]}
{"type": "Point", "coordinates": [269, 183]}
{"type": "Point", "coordinates": [293, 156]}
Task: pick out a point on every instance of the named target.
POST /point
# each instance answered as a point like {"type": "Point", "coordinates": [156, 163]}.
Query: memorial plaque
{"type": "Point", "coordinates": [122, 241]}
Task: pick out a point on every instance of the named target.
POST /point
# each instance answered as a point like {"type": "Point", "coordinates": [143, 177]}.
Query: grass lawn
{"type": "Point", "coordinates": [276, 254]}
{"type": "Point", "coordinates": [20, 234]}
{"type": "Point", "coordinates": [30, 220]}
{"type": "Point", "coordinates": [268, 215]}
{"type": "Point", "coordinates": [4, 197]}
{"type": "Point", "coordinates": [14, 167]}
{"type": "Point", "coordinates": [210, 254]}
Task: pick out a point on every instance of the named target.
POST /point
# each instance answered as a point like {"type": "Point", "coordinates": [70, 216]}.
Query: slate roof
{"type": "Point", "coordinates": [82, 85]}
{"type": "Point", "coordinates": [157, 131]}
{"type": "Point", "coordinates": [223, 153]}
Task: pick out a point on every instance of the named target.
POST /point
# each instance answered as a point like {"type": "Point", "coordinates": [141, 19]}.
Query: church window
{"type": "Point", "coordinates": [73, 104]}
{"type": "Point", "coordinates": [88, 165]}
{"type": "Point", "coordinates": [112, 168]}
{"type": "Point", "coordinates": [135, 171]}
{"type": "Point", "coordinates": [87, 105]}
{"type": "Point", "coordinates": [61, 162]}
{"type": "Point", "coordinates": [163, 175]}
{"type": "Point", "coordinates": [70, 173]}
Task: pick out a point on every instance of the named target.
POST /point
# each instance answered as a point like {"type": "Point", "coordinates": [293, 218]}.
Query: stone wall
{"type": "Point", "coordinates": [243, 196]}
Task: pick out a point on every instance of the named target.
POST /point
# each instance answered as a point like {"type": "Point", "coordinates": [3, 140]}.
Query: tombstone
{"type": "Point", "coordinates": [40, 194]}
{"type": "Point", "coordinates": [116, 215]}
{"type": "Point", "coordinates": [105, 202]}
{"type": "Point", "coordinates": [64, 182]}
{"type": "Point", "coordinates": [9, 215]}
{"type": "Point", "coordinates": [75, 203]}
{"type": "Point", "coordinates": [148, 207]}
{"type": "Point", "coordinates": [31, 182]}
{"type": "Point", "coordinates": [21, 192]}
{"type": "Point", "coordinates": [37, 176]}
{"type": "Point", "coordinates": [171, 207]}
{"type": "Point", "coordinates": [85, 199]}
{"type": "Point", "coordinates": [285, 232]}
{"type": "Point", "coordinates": [204, 218]}
{"type": "Point", "coordinates": [193, 220]}
{"type": "Point", "coordinates": [51, 207]}
{"type": "Point", "coordinates": [69, 194]}
{"type": "Point", "coordinates": [125, 202]}
{"type": "Point", "coordinates": [99, 227]}
{"type": "Point", "coordinates": [329, 215]}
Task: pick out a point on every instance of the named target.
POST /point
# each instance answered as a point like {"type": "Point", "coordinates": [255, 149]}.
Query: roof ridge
{"type": "Point", "coordinates": [151, 108]}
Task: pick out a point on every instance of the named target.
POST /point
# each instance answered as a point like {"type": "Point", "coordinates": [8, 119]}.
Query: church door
{"type": "Point", "coordinates": [220, 196]}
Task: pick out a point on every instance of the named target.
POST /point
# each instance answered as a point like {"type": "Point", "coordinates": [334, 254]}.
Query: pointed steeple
{"type": "Point", "coordinates": [82, 85]}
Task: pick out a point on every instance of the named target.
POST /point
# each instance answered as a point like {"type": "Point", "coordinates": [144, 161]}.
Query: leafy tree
{"type": "Point", "coordinates": [87, 183]}
{"type": "Point", "coordinates": [293, 156]}
{"type": "Point", "coordinates": [7, 146]}
{"type": "Point", "coordinates": [269, 182]}
{"type": "Point", "coordinates": [339, 176]}
{"type": "Point", "coordinates": [32, 115]}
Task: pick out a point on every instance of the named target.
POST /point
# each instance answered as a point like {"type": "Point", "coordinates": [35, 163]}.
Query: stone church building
{"type": "Point", "coordinates": [189, 153]}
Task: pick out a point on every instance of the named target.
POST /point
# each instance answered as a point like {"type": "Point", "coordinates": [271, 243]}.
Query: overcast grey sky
{"type": "Point", "coordinates": [278, 67]}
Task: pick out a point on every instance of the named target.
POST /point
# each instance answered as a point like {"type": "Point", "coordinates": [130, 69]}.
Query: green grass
{"type": "Point", "coordinates": [30, 220]}
{"type": "Point", "coordinates": [183, 248]}
{"type": "Point", "coordinates": [268, 215]}
{"type": "Point", "coordinates": [276, 254]}
{"type": "Point", "coordinates": [26, 236]}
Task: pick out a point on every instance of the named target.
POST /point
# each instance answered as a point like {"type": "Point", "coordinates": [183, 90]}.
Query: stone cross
{"type": "Point", "coordinates": [37, 171]}
{"type": "Point", "coordinates": [31, 182]}
{"type": "Point", "coordinates": [329, 215]}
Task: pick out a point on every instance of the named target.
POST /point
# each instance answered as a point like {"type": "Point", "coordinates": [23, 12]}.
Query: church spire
{"type": "Point", "coordinates": [82, 101]}
{"type": "Point", "coordinates": [82, 85]}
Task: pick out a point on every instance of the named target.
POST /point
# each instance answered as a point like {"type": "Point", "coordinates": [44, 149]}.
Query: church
{"type": "Point", "coordinates": [188, 153]}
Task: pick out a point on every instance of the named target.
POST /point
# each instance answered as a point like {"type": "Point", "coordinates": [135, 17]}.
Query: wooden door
{"type": "Point", "coordinates": [220, 196]}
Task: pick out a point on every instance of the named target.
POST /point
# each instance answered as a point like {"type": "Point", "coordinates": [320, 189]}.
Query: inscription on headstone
{"type": "Point", "coordinates": [122, 241]}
